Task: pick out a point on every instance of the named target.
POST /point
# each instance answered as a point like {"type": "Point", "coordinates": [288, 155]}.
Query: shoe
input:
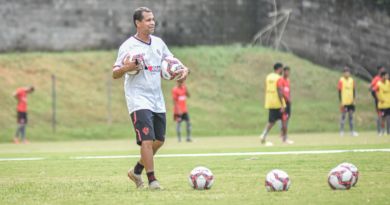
{"type": "Point", "coordinates": [341, 134]}
{"type": "Point", "coordinates": [16, 140]}
{"type": "Point", "coordinates": [381, 134]}
{"type": "Point", "coordinates": [154, 185]}
{"type": "Point", "coordinates": [136, 178]}
{"type": "Point", "coordinates": [354, 134]}
{"type": "Point", "coordinates": [288, 141]}
{"type": "Point", "coordinates": [189, 140]}
{"type": "Point", "coordinates": [26, 142]}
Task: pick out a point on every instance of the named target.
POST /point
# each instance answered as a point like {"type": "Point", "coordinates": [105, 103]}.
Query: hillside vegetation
{"type": "Point", "coordinates": [226, 86]}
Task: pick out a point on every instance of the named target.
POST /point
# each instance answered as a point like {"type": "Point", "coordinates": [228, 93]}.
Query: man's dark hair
{"type": "Point", "coordinates": [383, 73]}
{"type": "Point", "coordinates": [138, 14]}
{"type": "Point", "coordinates": [286, 68]}
{"type": "Point", "coordinates": [278, 66]}
{"type": "Point", "coordinates": [346, 69]}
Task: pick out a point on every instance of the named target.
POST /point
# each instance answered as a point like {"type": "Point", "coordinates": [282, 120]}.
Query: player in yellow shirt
{"type": "Point", "coordinates": [275, 103]}
{"type": "Point", "coordinates": [347, 95]}
{"type": "Point", "coordinates": [382, 89]}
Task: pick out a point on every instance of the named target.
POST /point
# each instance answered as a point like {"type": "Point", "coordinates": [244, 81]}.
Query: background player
{"type": "Point", "coordinates": [275, 103]}
{"type": "Point", "coordinates": [374, 81]}
{"type": "Point", "coordinates": [21, 95]}
{"type": "Point", "coordinates": [144, 97]}
{"type": "Point", "coordinates": [382, 89]}
{"type": "Point", "coordinates": [285, 83]}
{"type": "Point", "coordinates": [179, 95]}
{"type": "Point", "coordinates": [347, 95]}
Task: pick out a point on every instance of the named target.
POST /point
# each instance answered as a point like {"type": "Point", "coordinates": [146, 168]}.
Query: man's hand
{"type": "Point", "coordinates": [131, 64]}
{"type": "Point", "coordinates": [183, 73]}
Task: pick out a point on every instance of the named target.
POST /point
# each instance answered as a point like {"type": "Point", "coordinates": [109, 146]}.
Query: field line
{"type": "Point", "coordinates": [237, 154]}
{"type": "Point", "coordinates": [22, 159]}
{"type": "Point", "coordinates": [209, 154]}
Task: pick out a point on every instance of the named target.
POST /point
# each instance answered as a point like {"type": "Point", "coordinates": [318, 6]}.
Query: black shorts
{"type": "Point", "coordinates": [384, 112]}
{"type": "Point", "coordinates": [348, 108]}
{"type": "Point", "coordinates": [288, 110]}
{"type": "Point", "coordinates": [22, 118]}
{"type": "Point", "coordinates": [148, 125]}
{"type": "Point", "coordinates": [375, 99]}
{"type": "Point", "coordinates": [180, 118]}
{"type": "Point", "coordinates": [274, 115]}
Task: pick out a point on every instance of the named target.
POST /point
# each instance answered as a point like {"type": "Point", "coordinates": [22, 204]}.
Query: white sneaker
{"type": "Point", "coordinates": [154, 185]}
{"type": "Point", "coordinates": [264, 142]}
{"type": "Point", "coordinates": [341, 134]}
{"type": "Point", "coordinates": [288, 141]}
{"type": "Point", "coordinates": [136, 178]}
{"type": "Point", "coordinates": [354, 134]}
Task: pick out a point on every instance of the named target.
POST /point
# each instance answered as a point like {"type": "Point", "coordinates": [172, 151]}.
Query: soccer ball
{"type": "Point", "coordinates": [277, 180]}
{"type": "Point", "coordinates": [135, 57]}
{"type": "Point", "coordinates": [353, 169]}
{"type": "Point", "coordinates": [201, 178]}
{"type": "Point", "coordinates": [169, 66]}
{"type": "Point", "coordinates": [340, 178]}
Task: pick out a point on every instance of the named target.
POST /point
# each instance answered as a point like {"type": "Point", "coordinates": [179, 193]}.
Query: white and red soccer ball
{"type": "Point", "coordinates": [201, 178]}
{"type": "Point", "coordinates": [355, 172]}
{"type": "Point", "coordinates": [170, 67]}
{"type": "Point", "coordinates": [277, 180]}
{"type": "Point", "coordinates": [134, 57]}
{"type": "Point", "coordinates": [340, 178]}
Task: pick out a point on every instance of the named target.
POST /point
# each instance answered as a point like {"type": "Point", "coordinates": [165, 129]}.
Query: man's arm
{"type": "Point", "coordinates": [128, 65]}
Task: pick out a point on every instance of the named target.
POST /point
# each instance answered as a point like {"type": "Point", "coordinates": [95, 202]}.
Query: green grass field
{"type": "Point", "coordinates": [61, 179]}
{"type": "Point", "coordinates": [226, 86]}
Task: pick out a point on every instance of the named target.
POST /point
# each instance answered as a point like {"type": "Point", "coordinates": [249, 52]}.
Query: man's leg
{"type": "Point", "coordinates": [17, 134]}
{"type": "Point", "coordinates": [342, 121]}
{"type": "Point", "coordinates": [23, 133]}
{"type": "Point", "coordinates": [178, 130]}
{"type": "Point", "coordinates": [188, 127]}
{"type": "Point", "coordinates": [388, 124]}
{"type": "Point", "coordinates": [263, 136]}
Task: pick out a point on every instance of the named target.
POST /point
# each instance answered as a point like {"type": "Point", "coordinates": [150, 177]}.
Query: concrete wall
{"type": "Point", "coordinates": [339, 32]}
{"type": "Point", "coordinates": [101, 24]}
{"type": "Point", "coordinates": [331, 32]}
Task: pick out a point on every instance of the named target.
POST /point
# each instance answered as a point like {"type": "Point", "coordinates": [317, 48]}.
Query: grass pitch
{"type": "Point", "coordinates": [61, 179]}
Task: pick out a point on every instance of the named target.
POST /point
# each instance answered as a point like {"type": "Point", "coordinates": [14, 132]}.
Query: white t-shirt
{"type": "Point", "coordinates": [143, 90]}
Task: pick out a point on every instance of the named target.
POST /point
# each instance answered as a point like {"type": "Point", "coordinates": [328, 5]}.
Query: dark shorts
{"type": "Point", "coordinates": [288, 110]}
{"type": "Point", "coordinates": [384, 112]}
{"type": "Point", "coordinates": [375, 99]}
{"type": "Point", "coordinates": [348, 108]}
{"type": "Point", "coordinates": [148, 125]}
{"type": "Point", "coordinates": [21, 118]}
{"type": "Point", "coordinates": [275, 114]}
{"type": "Point", "coordinates": [182, 117]}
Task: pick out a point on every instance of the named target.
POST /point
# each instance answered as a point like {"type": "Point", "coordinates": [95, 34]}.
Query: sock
{"type": "Point", "coordinates": [350, 117]}
{"type": "Point", "coordinates": [138, 168]}
{"type": "Point", "coordinates": [342, 120]}
{"type": "Point", "coordinates": [188, 130]}
{"type": "Point", "coordinates": [178, 131]}
{"type": "Point", "coordinates": [151, 177]}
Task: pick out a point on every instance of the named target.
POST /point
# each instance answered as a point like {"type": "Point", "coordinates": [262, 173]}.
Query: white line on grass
{"type": "Point", "coordinates": [237, 154]}
{"type": "Point", "coordinates": [210, 154]}
{"type": "Point", "coordinates": [22, 159]}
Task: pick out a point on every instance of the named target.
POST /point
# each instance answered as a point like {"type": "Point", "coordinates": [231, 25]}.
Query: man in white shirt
{"type": "Point", "coordinates": [139, 59]}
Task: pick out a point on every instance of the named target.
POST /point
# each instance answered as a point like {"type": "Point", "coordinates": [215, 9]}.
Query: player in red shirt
{"type": "Point", "coordinates": [180, 111]}
{"type": "Point", "coordinates": [21, 95]}
{"type": "Point", "coordinates": [285, 85]}
{"type": "Point", "coordinates": [374, 81]}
